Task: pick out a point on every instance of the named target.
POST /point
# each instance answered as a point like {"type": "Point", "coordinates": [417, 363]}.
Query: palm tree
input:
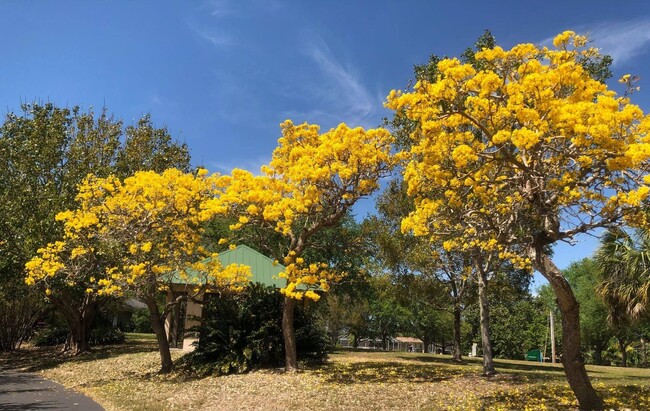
{"type": "Point", "coordinates": [623, 261]}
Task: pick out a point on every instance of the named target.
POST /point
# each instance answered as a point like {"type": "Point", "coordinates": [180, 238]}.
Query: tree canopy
{"type": "Point", "coordinates": [526, 148]}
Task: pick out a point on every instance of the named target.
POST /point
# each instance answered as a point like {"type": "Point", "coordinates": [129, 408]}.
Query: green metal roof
{"type": "Point", "coordinates": [262, 268]}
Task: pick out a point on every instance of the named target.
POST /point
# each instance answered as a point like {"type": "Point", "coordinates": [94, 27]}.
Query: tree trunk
{"type": "Point", "coordinates": [355, 341]}
{"type": "Point", "coordinates": [80, 322]}
{"type": "Point", "coordinates": [598, 355]}
{"type": "Point", "coordinates": [488, 360]}
{"type": "Point", "coordinates": [425, 347]}
{"type": "Point", "coordinates": [622, 345]}
{"type": "Point", "coordinates": [174, 322]}
{"type": "Point", "coordinates": [572, 359]}
{"type": "Point", "coordinates": [158, 325]}
{"type": "Point", "coordinates": [456, 352]}
{"type": "Point", "coordinates": [289, 335]}
{"type": "Point", "coordinates": [77, 342]}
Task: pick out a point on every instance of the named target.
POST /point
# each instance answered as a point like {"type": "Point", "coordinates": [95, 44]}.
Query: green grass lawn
{"type": "Point", "coordinates": [124, 378]}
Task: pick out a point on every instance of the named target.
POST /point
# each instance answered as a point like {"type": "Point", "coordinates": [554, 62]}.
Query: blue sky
{"type": "Point", "coordinates": [222, 75]}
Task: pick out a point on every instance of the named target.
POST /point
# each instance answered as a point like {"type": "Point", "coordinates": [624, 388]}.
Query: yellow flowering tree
{"type": "Point", "coordinates": [525, 148]}
{"type": "Point", "coordinates": [146, 231]}
{"type": "Point", "coordinates": [311, 182]}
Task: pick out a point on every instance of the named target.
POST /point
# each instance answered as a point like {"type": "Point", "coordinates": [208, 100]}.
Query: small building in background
{"type": "Point", "coordinates": [409, 344]}
{"type": "Point", "coordinates": [264, 270]}
{"type": "Point", "coordinates": [121, 313]}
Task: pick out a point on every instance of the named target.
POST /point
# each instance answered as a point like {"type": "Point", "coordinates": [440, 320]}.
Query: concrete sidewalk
{"type": "Point", "coordinates": [25, 391]}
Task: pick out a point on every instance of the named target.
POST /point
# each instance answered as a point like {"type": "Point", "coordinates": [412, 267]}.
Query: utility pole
{"type": "Point", "coordinates": [552, 338]}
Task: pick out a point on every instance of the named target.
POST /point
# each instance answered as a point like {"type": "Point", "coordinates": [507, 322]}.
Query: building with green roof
{"type": "Point", "coordinates": [264, 270]}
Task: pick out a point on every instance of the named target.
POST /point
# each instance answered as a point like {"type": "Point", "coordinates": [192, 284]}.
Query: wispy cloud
{"type": "Point", "coordinates": [217, 39]}
{"type": "Point", "coordinates": [220, 8]}
{"type": "Point", "coordinates": [623, 40]}
{"type": "Point", "coordinates": [156, 99]}
{"type": "Point", "coordinates": [253, 165]}
{"type": "Point", "coordinates": [208, 20]}
{"type": "Point", "coordinates": [339, 92]}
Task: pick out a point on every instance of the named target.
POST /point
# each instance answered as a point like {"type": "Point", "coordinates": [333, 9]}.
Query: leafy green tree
{"type": "Point", "coordinates": [595, 330]}
{"type": "Point", "coordinates": [45, 152]}
{"type": "Point", "coordinates": [388, 316]}
{"type": "Point", "coordinates": [422, 264]}
{"type": "Point", "coordinates": [146, 147]}
{"type": "Point", "coordinates": [429, 319]}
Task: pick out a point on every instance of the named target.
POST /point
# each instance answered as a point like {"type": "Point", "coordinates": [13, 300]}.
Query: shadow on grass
{"type": "Point", "coordinates": [385, 372]}
{"type": "Point", "coordinates": [36, 359]}
{"type": "Point", "coordinates": [560, 397]}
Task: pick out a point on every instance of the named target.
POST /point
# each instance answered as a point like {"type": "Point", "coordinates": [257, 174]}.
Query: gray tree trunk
{"type": "Point", "coordinates": [572, 358]}
{"type": "Point", "coordinates": [289, 335]}
{"type": "Point", "coordinates": [158, 325]}
{"type": "Point", "coordinates": [457, 353]}
{"type": "Point", "coordinates": [488, 360]}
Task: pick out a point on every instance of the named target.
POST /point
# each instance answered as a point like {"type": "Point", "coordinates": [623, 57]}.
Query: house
{"type": "Point", "coordinates": [263, 269]}
{"type": "Point", "coordinates": [122, 313]}
{"type": "Point", "coordinates": [409, 344]}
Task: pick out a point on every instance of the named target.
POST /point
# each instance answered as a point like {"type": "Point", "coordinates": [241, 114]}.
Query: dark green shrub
{"type": "Point", "coordinates": [102, 335]}
{"type": "Point", "coordinates": [141, 320]}
{"type": "Point", "coordinates": [50, 336]}
{"type": "Point", "coordinates": [242, 331]}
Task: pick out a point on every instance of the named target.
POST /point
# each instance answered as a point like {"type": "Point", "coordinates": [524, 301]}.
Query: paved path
{"type": "Point", "coordinates": [24, 391]}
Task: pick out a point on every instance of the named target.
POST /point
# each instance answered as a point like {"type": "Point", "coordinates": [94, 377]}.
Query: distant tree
{"type": "Point", "coordinates": [624, 283]}
{"type": "Point", "coordinates": [426, 319]}
{"type": "Point", "coordinates": [388, 315]}
{"type": "Point", "coordinates": [584, 277]}
{"type": "Point", "coordinates": [448, 276]}
{"type": "Point", "coordinates": [519, 321]}
{"type": "Point", "coordinates": [623, 260]}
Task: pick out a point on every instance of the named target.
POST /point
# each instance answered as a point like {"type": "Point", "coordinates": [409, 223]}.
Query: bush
{"type": "Point", "coordinates": [104, 335]}
{"type": "Point", "coordinates": [50, 336]}
{"type": "Point", "coordinates": [20, 308]}
{"type": "Point", "coordinates": [101, 335]}
{"type": "Point", "coordinates": [141, 320]}
{"type": "Point", "coordinates": [243, 331]}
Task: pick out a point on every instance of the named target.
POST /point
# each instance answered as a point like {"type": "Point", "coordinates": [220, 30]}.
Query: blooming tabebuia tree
{"type": "Point", "coordinates": [522, 149]}
{"type": "Point", "coordinates": [138, 235]}
{"type": "Point", "coordinates": [311, 182]}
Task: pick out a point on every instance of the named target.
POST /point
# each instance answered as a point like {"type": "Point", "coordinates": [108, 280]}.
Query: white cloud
{"type": "Point", "coordinates": [220, 8]}
{"type": "Point", "coordinates": [253, 165]}
{"type": "Point", "coordinates": [218, 40]}
{"type": "Point", "coordinates": [340, 93]}
{"type": "Point", "coordinates": [206, 22]}
{"type": "Point", "coordinates": [622, 40]}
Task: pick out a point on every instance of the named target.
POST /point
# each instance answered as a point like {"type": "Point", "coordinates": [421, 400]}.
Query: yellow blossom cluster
{"type": "Point", "coordinates": [304, 279]}
{"type": "Point", "coordinates": [527, 143]}
{"type": "Point", "coordinates": [133, 234]}
{"type": "Point", "coordinates": [312, 179]}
